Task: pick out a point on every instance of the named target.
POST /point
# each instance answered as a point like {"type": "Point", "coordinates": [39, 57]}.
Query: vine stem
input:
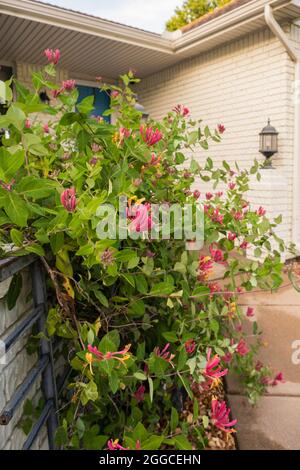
{"type": "Point", "coordinates": [62, 303]}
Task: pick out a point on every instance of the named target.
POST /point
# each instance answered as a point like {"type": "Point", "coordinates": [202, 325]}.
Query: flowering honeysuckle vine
{"type": "Point", "coordinates": [149, 325]}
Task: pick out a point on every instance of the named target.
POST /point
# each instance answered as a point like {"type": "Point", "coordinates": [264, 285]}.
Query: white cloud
{"type": "Point", "coordinates": [147, 14]}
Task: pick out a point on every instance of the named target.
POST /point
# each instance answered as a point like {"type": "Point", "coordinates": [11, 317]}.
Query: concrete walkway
{"type": "Point", "coordinates": [275, 422]}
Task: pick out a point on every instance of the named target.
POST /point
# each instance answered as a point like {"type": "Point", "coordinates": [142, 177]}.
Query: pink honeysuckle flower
{"type": "Point", "coordinates": [107, 257]}
{"type": "Point", "coordinates": [27, 123]}
{"type": "Point", "coordinates": [114, 445]}
{"type": "Point", "coordinates": [52, 56]}
{"type": "Point", "coordinates": [250, 312]}
{"type": "Point", "coordinates": [221, 128]}
{"type": "Point", "coordinates": [139, 215]}
{"type": "Point", "coordinates": [124, 132]}
{"type": "Point", "coordinates": [258, 366]}
{"type": "Point", "coordinates": [46, 128]}
{"type": "Point", "coordinates": [68, 199]}
{"type": "Point", "coordinates": [149, 254]}
{"type": "Point", "coordinates": [137, 182]}
{"type": "Point", "coordinates": [244, 245]}
{"type": "Point", "coordinates": [265, 380]}
{"type": "Point", "coordinates": [227, 358]}
{"type": "Point", "coordinates": [204, 268]}
{"type": "Point", "coordinates": [181, 110]}
{"type": "Point", "coordinates": [155, 160]}
{"type": "Point", "coordinates": [114, 94]}
{"type": "Point", "coordinates": [216, 216]}
{"type": "Point", "coordinates": [216, 254]}
{"type": "Point", "coordinates": [261, 211]}
{"type": "Point", "coordinates": [277, 379]}
{"type": "Point", "coordinates": [196, 194]}
{"type": "Point", "coordinates": [242, 348]}
{"type": "Point", "coordinates": [238, 215]}
{"type": "Point", "coordinates": [138, 445]}
{"type": "Point", "coordinates": [56, 93]}
{"type": "Point", "coordinates": [68, 85]}
{"type": "Point", "coordinates": [96, 147]}
{"type": "Point", "coordinates": [150, 136]}
{"type": "Point", "coordinates": [93, 161]}
{"type": "Point", "coordinates": [7, 186]}
{"type": "Point", "coordinates": [209, 196]}
{"type": "Point", "coordinates": [231, 186]}
{"type": "Point", "coordinates": [220, 416]}
{"type": "Point", "coordinates": [231, 236]}
{"type": "Point", "coordinates": [219, 194]}
{"type": "Point", "coordinates": [190, 346]}
{"type": "Point", "coordinates": [187, 174]}
{"type": "Point", "coordinates": [121, 356]}
{"type": "Point", "coordinates": [139, 395]}
{"type": "Point", "coordinates": [212, 369]}
{"type": "Point", "coordinates": [164, 354]}
{"type": "Point", "coordinates": [214, 287]}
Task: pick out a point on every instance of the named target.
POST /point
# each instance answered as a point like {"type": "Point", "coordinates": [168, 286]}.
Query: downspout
{"type": "Point", "coordinates": [295, 57]}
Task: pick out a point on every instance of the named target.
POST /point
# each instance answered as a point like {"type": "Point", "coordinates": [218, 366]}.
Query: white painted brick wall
{"type": "Point", "coordinates": [17, 365]}
{"type": "Point", "coordinates": [240, 84]}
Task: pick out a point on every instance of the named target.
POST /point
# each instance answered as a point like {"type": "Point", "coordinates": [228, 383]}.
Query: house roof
{"type": "Point", "coordinates": [92, 46]}
{"type": "Point", "coordinates": [213, 14]}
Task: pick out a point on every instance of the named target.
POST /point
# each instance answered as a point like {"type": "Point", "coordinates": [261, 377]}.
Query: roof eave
{"type": "Point", "coordinates": [52, 15]}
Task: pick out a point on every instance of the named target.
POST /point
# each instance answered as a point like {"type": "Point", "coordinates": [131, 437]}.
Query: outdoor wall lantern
{"type": "Point", "coordinates": [268, 144]}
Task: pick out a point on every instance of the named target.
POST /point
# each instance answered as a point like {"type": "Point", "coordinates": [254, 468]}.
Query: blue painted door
{"type": "Point", "coordinates": [101, 99]}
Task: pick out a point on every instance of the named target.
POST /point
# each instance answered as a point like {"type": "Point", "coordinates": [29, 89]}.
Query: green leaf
{"type": "Point", "coordinates": [69, 118]}
{"type": "Point", "coordinates": [85, 250]}
{"type": "Point", "coordinates": [140, 376]}
{"type": "Point", "coordinates": [170, 336]}
{"type": "Point", "coordinates": [214, 326]}
{"type": "Point", "coordinates": [16, 237]}
{"type": "Point", "coordinates": [114, 381]}
{"type": "Point", "coordinates": [152, 443]}
{"type": "Point", "coordinates": [89, 393]}
{"type": "Point", "coordinates": [129, 278]}
{"type": "Point", "coordinates": [63, 263]}
{"type": "Point", "coordinates": [162, 288]}
{"type": "Point", "coordinates": [94, 442]}
{"type": "Point", "coordinates": [36, 249]}
{"type": "Point", "coordinates": [10, 163]}
{"type": "Point", "coordinates": [150, 382]}
{"type": "Point", "coordinates": [14, 290]}
{"type": "Point", "coordinates": [182, 443]}
{"type": "Point", "coordinates": [57, 242]}
{"type": "Point", "coordinates": [174, 419]}
{"type": "Point", "coordinates": [86, 105]}
{"type": "Point", "coordinates": [137, 308]}
{"type": "Point", "coordinates": [141, 284]}
{"type": "Point", "coordinates": [36, 188]}
{"type": "Point", "coordinates": [16, 209]}
{"type": "Point", "coordinates": [101, 297]}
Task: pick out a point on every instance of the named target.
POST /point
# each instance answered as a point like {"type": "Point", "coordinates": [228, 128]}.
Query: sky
{"type": "Point", "coordinates": [146, 14]}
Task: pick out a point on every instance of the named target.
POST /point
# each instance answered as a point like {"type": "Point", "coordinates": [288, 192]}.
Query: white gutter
{"type": "Point", "coordinates": [295, 56]}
